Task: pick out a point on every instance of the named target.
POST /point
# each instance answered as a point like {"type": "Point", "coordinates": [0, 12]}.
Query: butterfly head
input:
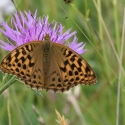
{"type": "Point", "coordinates": [46, 37]}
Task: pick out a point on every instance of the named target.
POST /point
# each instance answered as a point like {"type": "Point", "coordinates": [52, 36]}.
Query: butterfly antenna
{"type": "Point", "coordinates": [42, 30]}
{"type": "Point", "coordinates": [39, 25]}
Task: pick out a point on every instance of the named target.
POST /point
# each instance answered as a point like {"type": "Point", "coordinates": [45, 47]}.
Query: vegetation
{"type": "Point", "coordinates": [99, 24]}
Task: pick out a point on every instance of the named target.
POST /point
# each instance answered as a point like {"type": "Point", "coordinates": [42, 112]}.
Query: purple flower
{"type": "Point", "coordinates": [27, 28]}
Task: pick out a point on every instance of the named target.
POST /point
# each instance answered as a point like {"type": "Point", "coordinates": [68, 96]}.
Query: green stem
{"type": "Point", "coordinates": [7, 82]}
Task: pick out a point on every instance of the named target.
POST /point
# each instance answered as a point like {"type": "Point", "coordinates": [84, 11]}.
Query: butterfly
{"type": "Point", "coordinates": [68, 1]}
{"type": "Point", "coordinates": [48, 65]}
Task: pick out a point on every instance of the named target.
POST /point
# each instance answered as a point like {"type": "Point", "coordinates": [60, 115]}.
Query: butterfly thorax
{"type": "Point", "coordinates": [46, 53]}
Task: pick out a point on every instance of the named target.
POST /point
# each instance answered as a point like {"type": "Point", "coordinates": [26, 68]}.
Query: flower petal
{"type": "Point", "coordinates": [27, 28]}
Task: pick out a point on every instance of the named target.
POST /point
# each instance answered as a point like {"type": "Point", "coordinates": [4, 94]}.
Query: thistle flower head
{"type": "Point", "coordinates": [27, 27]}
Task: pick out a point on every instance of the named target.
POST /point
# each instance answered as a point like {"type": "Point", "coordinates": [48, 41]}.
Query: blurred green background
{"type": "Point", "coordinates": [99, 24]}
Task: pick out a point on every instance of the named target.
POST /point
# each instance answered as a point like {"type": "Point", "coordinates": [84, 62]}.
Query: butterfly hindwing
{"type": "Point", "coordinates": [53, 79]}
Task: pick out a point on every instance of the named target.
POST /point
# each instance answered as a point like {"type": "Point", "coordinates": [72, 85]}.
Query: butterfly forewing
{"type": "Point", "coordinates": [74, 69]}
{"type": "Point", "coordinates": [23, 62]}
